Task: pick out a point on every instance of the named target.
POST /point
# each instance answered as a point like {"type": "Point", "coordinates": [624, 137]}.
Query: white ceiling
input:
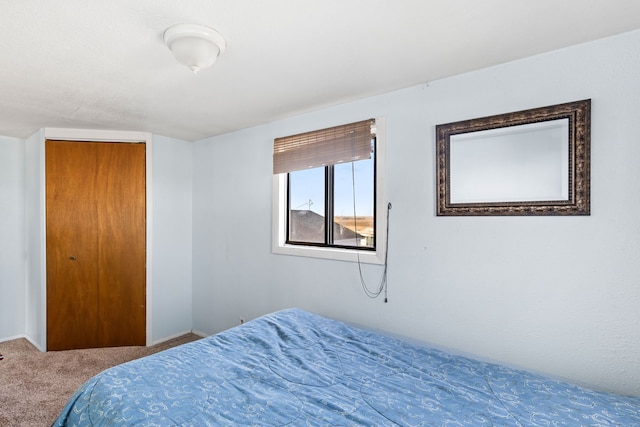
{"type": "Point", "coordinates": [102, 64]}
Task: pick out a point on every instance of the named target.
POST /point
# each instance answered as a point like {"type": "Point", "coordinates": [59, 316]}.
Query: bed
{"type": "Point", "coordinates": [295, 368]}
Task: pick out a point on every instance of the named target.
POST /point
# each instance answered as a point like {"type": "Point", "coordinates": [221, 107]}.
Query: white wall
{"type": "Point", "coordinates": [559, 295]}
{"type": "Point", "coordinates": [35, 274]}
{"type": "Point", "coordinates": [171, 240]}
{"type": "Point", "coordinates": [12, 236]}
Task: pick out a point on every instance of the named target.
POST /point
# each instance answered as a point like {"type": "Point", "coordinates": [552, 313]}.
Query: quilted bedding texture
{"type": "Point", "coordinates": [295, 368]}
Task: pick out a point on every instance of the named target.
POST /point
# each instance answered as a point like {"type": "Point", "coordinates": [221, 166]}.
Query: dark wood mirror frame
{"type": "Point", "coordinates": [579, 139]}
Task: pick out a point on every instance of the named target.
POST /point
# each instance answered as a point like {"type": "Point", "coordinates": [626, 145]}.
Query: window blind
{"type": "Point", "coordinates": [346, 143]}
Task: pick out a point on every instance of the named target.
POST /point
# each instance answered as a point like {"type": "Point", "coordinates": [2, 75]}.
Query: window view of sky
{"type": "Point", "coordinates": [307, 189]}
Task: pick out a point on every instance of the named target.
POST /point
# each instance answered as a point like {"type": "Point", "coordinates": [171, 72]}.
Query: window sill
{"type": "Point", "coordinates": [336, 254]}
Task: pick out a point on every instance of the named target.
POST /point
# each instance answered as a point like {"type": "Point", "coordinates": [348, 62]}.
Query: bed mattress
{"type": "Point", "coordinates": [295, 368]}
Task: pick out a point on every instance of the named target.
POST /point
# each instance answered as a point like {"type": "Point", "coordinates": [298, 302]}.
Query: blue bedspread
{"type": "Point", "coordinates": [299, 369]}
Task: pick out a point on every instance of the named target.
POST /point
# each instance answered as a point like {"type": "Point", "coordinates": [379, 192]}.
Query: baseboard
{"type": "Point", "coordinates": [199, 333]}
{"type": "Point", "coordinates": [33, 343]}
{"type": "Point", "coordinates": [170, 337]}
{"type": "Point", "coordinates": [160, 341]}
{"type": "Point", "coordinates": [15, 337]}
{"type": "Point", "coordinates": [26, 337]}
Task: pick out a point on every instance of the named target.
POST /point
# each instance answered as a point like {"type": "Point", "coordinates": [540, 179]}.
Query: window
{"type": "Point", "coordinates": [327, 185]}
{"type": "Point", "coordinates": [333, 205]}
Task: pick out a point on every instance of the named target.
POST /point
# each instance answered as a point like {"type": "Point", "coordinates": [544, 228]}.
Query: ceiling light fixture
{"type": "Point", "coordinates": [195, 46]}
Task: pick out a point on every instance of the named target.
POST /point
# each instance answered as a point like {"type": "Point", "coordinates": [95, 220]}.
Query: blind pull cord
{"type": "Point", "coordinates": [383, 285]}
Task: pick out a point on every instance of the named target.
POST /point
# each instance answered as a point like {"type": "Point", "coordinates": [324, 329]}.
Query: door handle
{"type": "Point", "coordinates": [72, 258]}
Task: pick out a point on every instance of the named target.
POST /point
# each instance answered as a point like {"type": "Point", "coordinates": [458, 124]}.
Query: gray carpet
{"type": "Point", "coordinates": [34, 386]}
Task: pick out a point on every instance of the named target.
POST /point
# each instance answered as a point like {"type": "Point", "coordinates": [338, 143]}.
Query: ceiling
{"type": "Point", "coordinates": [100, 64]}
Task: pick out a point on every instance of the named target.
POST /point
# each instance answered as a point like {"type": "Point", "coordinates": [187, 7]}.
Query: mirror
{"type": "Point", "coordinates": [532, 162]}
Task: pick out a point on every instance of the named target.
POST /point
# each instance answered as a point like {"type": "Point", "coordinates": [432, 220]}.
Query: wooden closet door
{"type": "Point", "coordinates": [96, 237]}
{"type": "Point", "coordinates": [122, 245]}
{"type": "Point", "coordinates": [72, 245]}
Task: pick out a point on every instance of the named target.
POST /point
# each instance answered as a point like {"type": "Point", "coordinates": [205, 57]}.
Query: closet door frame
{"type": "Point", "coordinates": [124, 137]}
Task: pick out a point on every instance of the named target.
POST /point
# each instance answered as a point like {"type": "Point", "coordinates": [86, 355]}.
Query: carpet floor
{"type": "Point", "coordinates": [35, 386]}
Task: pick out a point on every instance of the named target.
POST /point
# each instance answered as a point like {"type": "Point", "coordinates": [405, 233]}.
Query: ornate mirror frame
{"type": "Point", "coordinates": [576, 199]}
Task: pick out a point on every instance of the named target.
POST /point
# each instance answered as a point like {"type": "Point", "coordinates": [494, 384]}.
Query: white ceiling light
{"type": "Point", "coordinates": [195, 46]}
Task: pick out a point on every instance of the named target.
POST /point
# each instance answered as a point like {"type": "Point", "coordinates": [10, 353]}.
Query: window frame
{"type": "Point", "coordinates": [365, 254]}
{"type": "Point", "coordinates": [329, 212]}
